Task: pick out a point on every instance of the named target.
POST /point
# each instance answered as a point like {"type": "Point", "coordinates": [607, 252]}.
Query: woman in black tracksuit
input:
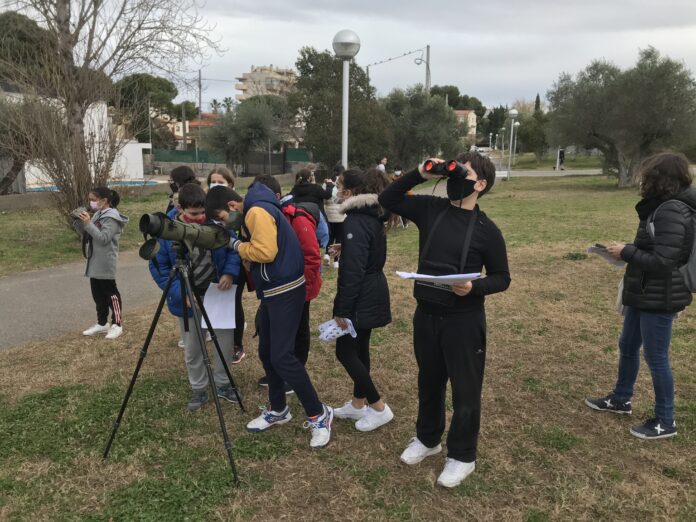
{"type": "Point", "coordinates": [449, 325]}
{"type": "Point", "coordinates": [362, 295]}
{"type": "Point", "coordinates": [654, 289]}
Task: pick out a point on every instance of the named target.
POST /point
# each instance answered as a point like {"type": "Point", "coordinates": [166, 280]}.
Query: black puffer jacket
{"type": "Point", "coordinates": [653, 281]}
{"type": "Point", "coordinates": [363, 295]}
{"type": "Point", "coordinates": [311, 193]}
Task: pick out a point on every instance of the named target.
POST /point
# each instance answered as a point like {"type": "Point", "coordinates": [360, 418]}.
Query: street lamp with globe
{"type": "Point", "coordinates": [346, 45]}
{"type": "Point", "coordinates": [513, 115]}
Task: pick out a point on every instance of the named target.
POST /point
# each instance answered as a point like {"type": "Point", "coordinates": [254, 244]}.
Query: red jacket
{"type": "Point", "coordinates": [305, 227]}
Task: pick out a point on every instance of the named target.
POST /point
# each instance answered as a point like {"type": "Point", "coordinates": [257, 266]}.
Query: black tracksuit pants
{"type": "Point", "coordinates": [239, 309]}
{"type": "Point", "coordinates": [106, 296]}
{"type": "Point", "coordinates": [303, 337]}
{"type": "Point", "coordinates": [354, 355]}
{"type": "Point", "coordinates": [279, 317]}
{"type": "Point", "coordinates": [450, 347]}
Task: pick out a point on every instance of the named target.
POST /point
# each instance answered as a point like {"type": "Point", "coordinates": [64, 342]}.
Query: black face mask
{"type": "Point", "coordinates": [459, 187]}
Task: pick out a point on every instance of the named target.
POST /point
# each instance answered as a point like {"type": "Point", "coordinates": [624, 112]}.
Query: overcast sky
{"type": "Point", "coordinates": [496, 50]}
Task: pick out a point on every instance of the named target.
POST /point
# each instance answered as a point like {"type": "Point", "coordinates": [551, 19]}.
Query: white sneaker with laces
{"type": "Point", "coordinates": [96, 329]}
{"type": "Point", "coordinates": [416, 451]}
{"type": "Point", "coordinates": [373, 419]}
{"type": "Point", "coordinates": [348, 411]}
{"type": "Point", "coordinates": [455, 472]}
{"type": "Point", "coordinates": [268, 419]}
{"type": "Point", "coordinates": [321, 428]}
{"type": "Point", "coordinates": [114, 332]}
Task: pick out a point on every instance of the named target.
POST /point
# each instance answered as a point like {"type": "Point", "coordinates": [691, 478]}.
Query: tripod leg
{"type": "Point", "coordinates": [219, 350]}
{"type": "Point", "coordinates": [211, 377]}
{"type": "Point", "coordinates": [141, 359]}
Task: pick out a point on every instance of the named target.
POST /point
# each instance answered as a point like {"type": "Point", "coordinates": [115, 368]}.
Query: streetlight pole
{"type": "Point", "coordinates": [490, 140]}
{"type": "Point", "coordinates": [502, 146]}
{"type": "Point", "coordinates": [513, 115]}
{"type": "Point", "coordinates": [514, 147]}
{"type": "Point", "coordinates": [346, 45]}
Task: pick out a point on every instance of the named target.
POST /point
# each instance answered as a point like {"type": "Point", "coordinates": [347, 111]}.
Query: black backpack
{"type": "Point", "coordinates": [688, 271]}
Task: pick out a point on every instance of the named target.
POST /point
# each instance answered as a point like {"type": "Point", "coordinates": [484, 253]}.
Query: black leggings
{"type": "Point", "coordinates": [303, 337]}
{"type": "Point", "coordinates": [239, 309]}
{"type": "Point", "coordinates": [106, 296]}
{"type": "Point", "coordinates": [354, 355]}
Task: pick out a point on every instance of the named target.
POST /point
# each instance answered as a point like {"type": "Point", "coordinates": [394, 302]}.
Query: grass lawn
{"type": "Point", "coordinates": [543, 455]}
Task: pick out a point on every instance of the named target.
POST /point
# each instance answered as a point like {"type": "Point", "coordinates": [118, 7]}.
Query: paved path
{"type": "Point", "coordinates": [45, 303]}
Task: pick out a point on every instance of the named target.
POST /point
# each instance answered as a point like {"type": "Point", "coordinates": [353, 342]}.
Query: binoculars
{"type": "Point", "coordinates": [448, 168]}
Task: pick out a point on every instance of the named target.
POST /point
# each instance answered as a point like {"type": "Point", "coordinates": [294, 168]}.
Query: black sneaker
{"type": "Point", "coordinates": [263, 381]}
{"type": "Point", "coordinates": [654, 429]}
{"type": "Point", "coordinates": [198, 399]}
{"type": "Point", "coordinates": [237, 355]}
{"type": "Point", "coordinates": [227, 393]}
{"type": "Point", "coordinates": [609, 403]}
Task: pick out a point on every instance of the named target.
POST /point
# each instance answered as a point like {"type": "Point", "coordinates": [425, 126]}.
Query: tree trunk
{"type": "Point", "coordinates": [625, 171]}
{"type": "Point", "coordinates": [11, 176]}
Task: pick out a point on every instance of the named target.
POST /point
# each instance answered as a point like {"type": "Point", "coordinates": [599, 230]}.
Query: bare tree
{"type": "Point", "coordinates": [97, 42]}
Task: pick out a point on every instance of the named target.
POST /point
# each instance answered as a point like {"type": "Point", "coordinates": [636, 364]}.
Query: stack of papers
{"type": "Point", "coordinates": [602, 252]}
{"type": "Point", "coordinates": [329, 330]}
{"type": "Point", "coordinates": [443, 280]}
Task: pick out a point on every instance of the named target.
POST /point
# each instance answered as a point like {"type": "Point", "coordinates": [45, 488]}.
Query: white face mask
{"type": "Point", "coordinates": [213, 185]}
{"type": "Point", "coordinates": [94, 205]}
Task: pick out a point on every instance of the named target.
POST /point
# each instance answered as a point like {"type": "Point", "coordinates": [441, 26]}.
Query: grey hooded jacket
{"type": "Point", "coordinates": [102, 235]}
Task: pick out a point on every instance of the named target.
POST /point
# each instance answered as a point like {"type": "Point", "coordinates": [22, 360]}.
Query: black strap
{"type": "Point", "coordinates": [467, 238]}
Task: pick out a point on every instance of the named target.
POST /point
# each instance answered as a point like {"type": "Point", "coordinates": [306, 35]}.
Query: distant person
{"type": "Point", "coordinates": [178, 177]}
{"type": "Point", "coordinates": [220, 176]}
{"type": "Point", "coordinates": [382, 165]}
{"type": "Point", "coordinates": [221, 267]}
{"type": "Point", "coordinates": [362, 293]}
{"type": "Point", "coordinates": [306, 190]}
{"type": "Point", "coordinates": [654, 291]}
{"type": "Point", "coordinates": [100, 235]}
{"type": "Point", "coordinates": [334, 215]}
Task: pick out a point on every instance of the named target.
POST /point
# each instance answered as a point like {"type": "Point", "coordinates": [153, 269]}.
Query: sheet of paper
{"type": "Point", "coordinates": [602, 252]}
{"type": "Point", "coordinates": [443, 280]}
{"type": "Point", "coordinates": [220, 307]}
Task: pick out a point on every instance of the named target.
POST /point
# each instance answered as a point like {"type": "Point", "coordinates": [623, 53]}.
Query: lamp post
{"type": "Point", "coordinates": [490, 140]}
{"type": "Point", "coordinates": [495, 145]}
{"type": "Point", "coordinates": [513, 115]}
{"type": "Point", "coordinates": [346, 45]}
{"type": "Point", "coordinates": [502, 146]}
{"type": "Point", "coordinates": [514, 147]}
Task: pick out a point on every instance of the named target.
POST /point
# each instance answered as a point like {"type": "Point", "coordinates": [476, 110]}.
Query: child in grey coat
{"type": "Point", "coordinates": [100, 235]}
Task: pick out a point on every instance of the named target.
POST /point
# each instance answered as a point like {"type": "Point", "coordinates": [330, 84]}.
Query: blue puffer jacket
{"type": "Point", "coordinates": [225, 259]}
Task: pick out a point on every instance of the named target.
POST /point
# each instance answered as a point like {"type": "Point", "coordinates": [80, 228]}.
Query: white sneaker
{"type": "Point", "coordinates": [321, 428]}
{"type": "Point", "coordinates": [268, 419]}
{"type": "Point", "coordinates": [416, 451]}
{"type": "Point", "coordinates": [96, 329]}
{"type": "Point", "coordinates": [373, 419]}
{"type": "Point", "coordinates": [348, 411]}
{"type": "Point", "coordinates": [455, 472]}
{"type": "Point", "coordinates": [335, 264]}
{"type": "Point", "coordinates": [326, 258]}
{"type": "Point", "coordinates": [114, 332]}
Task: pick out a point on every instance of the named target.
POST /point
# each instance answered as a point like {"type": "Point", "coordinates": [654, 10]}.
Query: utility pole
{"type": "Point", "coordinates": [149, 122]}
{"type": "Point", "coordinates": [200, 110]}
{"type": "Point", "coordinates": [183, 124]}
{"type": "Point", "coordinates": [427, 68]}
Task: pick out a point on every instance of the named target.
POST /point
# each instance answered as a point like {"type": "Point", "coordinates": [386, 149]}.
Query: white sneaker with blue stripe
{"type": "Point", "coordinates": [268, 419]}
{"type": "Point", "coordinates": [320, 427]}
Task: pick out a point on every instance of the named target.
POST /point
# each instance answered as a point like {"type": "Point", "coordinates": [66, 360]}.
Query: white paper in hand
{"type": "Point", "coordinates": [219, 304]}
{"type": "Point", "coordinates": [330, 331]}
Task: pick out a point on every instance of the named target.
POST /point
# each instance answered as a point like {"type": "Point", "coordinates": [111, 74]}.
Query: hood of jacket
{"type": "Point", "coordinates": [305, 189]}
{"type": "Point", "coordinates": [260, 193]}
{"type": "Point", "coordinates": [289, 206]}
{"type": "Point", "coordinates": [647, 206]}
{"type": "Point", "coordinates": [111, 213]}
{"type": "Point", "coordinates": [364, 204]}
{"type": "Point", "coordinates": [687, 196]}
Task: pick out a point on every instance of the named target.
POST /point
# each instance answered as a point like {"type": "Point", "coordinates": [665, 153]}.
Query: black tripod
{"type": "Point", "coordinates": [182, 269]}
